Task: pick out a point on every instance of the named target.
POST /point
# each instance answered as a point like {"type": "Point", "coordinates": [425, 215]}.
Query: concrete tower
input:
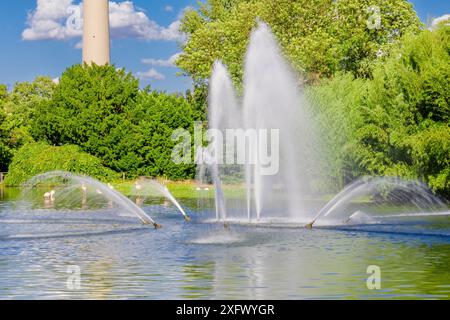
{"type": "Point", "coordinates": [96, 32]}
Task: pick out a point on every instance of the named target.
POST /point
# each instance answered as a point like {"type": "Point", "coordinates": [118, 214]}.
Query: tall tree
{"type": "Point", "coordinates": [102, 110]}
{"type": "Point", "coordinates": [5, 151]}
{"type": "Point", "coordinates": [17, 109]}
{"type": "Point", "coordinates": [320, 37]}
{"type": "Point", "coordinates": [20, 106]}
{"type": "Point", "coordinates": [396, 123]}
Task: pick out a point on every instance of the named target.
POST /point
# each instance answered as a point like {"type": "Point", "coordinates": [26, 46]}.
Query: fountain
{"type": "Point", "coordinates": [145, 187]}
{"type": "Point", "coordinates": [408, 198]}
{"type": "Point", "coordinates": [73, 190]}
{"type": "Point", "coordinates": [272, 100]}
{"type": "Point", "coordinates": [272, 115]}
{"type": "Point", "coordinates": [80, 226]}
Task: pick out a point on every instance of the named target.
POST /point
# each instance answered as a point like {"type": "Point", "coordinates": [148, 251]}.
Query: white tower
{"type": "Point", "coordinates": [96, 32]}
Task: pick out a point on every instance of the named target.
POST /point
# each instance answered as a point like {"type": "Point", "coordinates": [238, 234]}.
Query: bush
{"type": "Point", "coordinates": [88, 102]}
{"type": "Point", "coordinates": [157, 116]}
{"type": "Point", "coordinates": [396, 124]}
{"type": "Point", "coordinates": [37, 158]}
{"type": "Point", "coordinates": [102, 110]}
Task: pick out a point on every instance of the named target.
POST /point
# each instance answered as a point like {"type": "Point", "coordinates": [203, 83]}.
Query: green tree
{"type": "Point", "coordinates": [319, 37]}
{"type": "Point", "coordinates": [3, 93]}
{"type": "Point", "coordinates": [103, 111]}
{"type": "Point", "coordinates": [410, 92]}
{"type": "Point", "coordinates": [337, 114]}
{"type": "Point", "coordinates": [396, 123]}
{"type": "Point", "coordinates": [198, 100]}
{"type": "Point", "coordinates": [157, 116]}
{"type": "Point", "coordinates": [86, 105]}
{"type": "Point", "coordinates": [20, 106]}
{"type": "Point", "coordinates": [5, 151]}
{"type": "Point", "coordinates": [17, 109]}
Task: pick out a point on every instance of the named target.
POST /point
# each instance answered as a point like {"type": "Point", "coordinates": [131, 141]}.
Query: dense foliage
{"type": "Point", "coordinates": [397, 123]}
{"type": "Point", "coordinates": [17, 109]}
{"type": "Point", "coordinates": [103, 111]}
{"type": "Point", "coordinates": [319, 37]}
{"type": "Point", "coordinates": [378, 86]}
{"type": "Point", "coordinates": [37, 158]}
{"type": "Point", "coordinates": [5, 151]}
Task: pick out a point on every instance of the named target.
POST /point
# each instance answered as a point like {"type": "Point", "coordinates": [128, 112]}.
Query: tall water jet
{"type": "Point", "coordinates": [73, 188]}
{"type": "Point", "coordinates": [272, 101]}
{"type": "Point", "coordinates": [224, 114]}
{"type": "Point", "coordinates": [272, 116]}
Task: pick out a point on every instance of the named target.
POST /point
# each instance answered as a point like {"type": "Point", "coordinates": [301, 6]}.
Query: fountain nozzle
{"type": "Point", "coordinates": [309, 226]}
{"type": "Point", "coordinates": [157, 226]}
{"type": "Point", "coordinates": [187, 218]}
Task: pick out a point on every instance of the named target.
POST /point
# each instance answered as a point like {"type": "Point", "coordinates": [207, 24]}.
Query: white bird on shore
{"type": "Point", "coordinates": [50, 195]}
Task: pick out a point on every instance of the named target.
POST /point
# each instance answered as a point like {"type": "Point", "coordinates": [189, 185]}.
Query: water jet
{"type": "Point", "coordinates": [271, 102]}
{"type": "Point", "coordinates": [145, 187]}
{"type": "Point", "coordinates": [68, 197]}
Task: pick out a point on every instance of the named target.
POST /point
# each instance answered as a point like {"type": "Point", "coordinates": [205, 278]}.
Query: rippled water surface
{"type": "Point", "coordinates": [119, 258]}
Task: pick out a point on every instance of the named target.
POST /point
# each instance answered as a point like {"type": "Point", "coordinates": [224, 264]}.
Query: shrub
{"type": "Point", "coordinates": [102, 110]}
{"type": "Point", "coordinates": [397, 123]}
{"type": "Point", "coordinates": [36, 158]}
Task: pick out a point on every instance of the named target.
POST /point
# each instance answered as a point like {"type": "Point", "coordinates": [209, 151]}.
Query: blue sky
{"type": "Point", "coordinates": [48, 46]}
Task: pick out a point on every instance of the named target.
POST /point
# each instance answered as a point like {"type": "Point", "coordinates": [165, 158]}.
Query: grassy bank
{"type": "Point", "coordinates": [189, 189]}
{"type": "Point", "coordinates": [185, 189]}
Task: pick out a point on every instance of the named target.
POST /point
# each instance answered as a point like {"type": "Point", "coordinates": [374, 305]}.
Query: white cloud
{"type": "Point", "coordinates": [172, 32]}
{"type": "Point", "coordinates": [150, 74]}
{"type": "Point", "coordinates": [436, 21]}
{"type": "Point", "coordinates": [53, 19]}
{"type": "Point", "coordinates": [62, 20]}
{"type": "Point", "coordinates": [168, 8]}
{"type": "Point", "coordinates": [170, 62]}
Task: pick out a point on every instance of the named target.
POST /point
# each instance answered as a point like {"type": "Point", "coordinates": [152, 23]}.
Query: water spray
{"type": "Point", "coordinates": [87, 183]}
{"type": "Point", "coordinates": [399, 190]}
{"type": "Point", "coordinates": [152, 187]}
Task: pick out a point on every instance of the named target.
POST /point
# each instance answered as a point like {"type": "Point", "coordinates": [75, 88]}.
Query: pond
{"type": "Point", "coordinates": [117, 257]}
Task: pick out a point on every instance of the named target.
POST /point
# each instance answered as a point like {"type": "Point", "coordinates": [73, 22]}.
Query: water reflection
{"type": "Point", "coordinates": [122, 259]}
